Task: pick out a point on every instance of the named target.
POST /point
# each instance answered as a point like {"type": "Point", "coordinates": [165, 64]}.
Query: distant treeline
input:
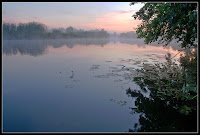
{"type": "Point", "coordinates": [35, 30]}
{"type": "Point", "coordinates": [24, 30]}
{"type": "Point", "coordinates": [130, 34]}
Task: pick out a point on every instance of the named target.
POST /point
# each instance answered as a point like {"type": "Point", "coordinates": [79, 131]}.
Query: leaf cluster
{"type": "Point", "coordinates": [172, 83]}
{"type": "Point", "coordinates": [164, 22]}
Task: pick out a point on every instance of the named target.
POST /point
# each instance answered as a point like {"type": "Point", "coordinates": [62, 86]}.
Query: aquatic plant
{"type": "Point", "coordinates": [174, 83]}
{"type": "Point", "coordinates": [172, 102]}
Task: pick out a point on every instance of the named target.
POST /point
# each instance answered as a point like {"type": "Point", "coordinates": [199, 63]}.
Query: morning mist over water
{"type": "Point", "coordinates": [66, 72]}
{"type": "Point", "coordinates": [72, 81]}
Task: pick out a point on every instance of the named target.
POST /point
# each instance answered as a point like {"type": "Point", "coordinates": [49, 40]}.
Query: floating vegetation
{"type": "Point", "coordinates": [172, 83]}
{"type": "Point", "coordinates": [112, 74]}
{"type": "Point", "coordinates": [155, 61]}
{"type": "Point", "coordinates": [130, 68]}
{"type": "Point", "coordinates": [107, 75]}
{"type": "Point", "coordinates": [129, 76]}
{"type": "Point", "coordinates": [113, 67]}
{"type": "Point", "coordinates": [128, 60]}
{"type": "Point", "coordinates": [94, 67]}
{"type": "Point", "coordinates": [148, 55]}
{"type": "Point", "coordinates": [101, 76]}
{"type": "Point", "coordinates": [131, 60]}
{"type": "Point", "coordinates": [145, 61]}
{"type": "Point", "coordinates": [123, 69]}
{"type": "Point", "coordinates": [69, 86]}
{"type": "Point", "coordinates": [117, 70]}
{"type": "Point", "coordinates": [137, 62]}
{"type": "Point", "coordinates": [120, 65]}
{"type": "Point", "coordinates": [158, 56]}
{"type": "Point", "coordinates": [140, 65]}
{"type": "Point", "coordinates": [119, 80]}
{"type": "Point", "coordinates": [121, 103]}
{"type": "Point", "coordinates": [152, 59]}
{"type": "Point", "coordinates": [112, 100]}
{"type": "Point", "coordinates": [128, 73]}
{"type": "Point", "coordinates": [123, 60]}
{"type": "Point", "coordinates": [76, 80]}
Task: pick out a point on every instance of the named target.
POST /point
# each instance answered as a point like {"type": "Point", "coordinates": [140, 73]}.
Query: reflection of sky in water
{"type": "Point", "coordinates": [59, 91]}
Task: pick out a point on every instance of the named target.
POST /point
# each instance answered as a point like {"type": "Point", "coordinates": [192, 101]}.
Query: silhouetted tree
{"type": "Point", "coordinates": [29, 30]}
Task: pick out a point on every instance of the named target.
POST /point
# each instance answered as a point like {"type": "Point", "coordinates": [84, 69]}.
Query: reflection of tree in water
{"type": "Point", "coordinates": [32, 48]}
{"type": "Point", "coordinates": [140, 43]}
{"type": "Point", "coordinates": [79, 41]}
{"type": "Point", "coordinates": [172, 102]}
{"type": "Point", "coordinates": [38, 47]}
{"type": "Point", "coordinates": [157, 115]}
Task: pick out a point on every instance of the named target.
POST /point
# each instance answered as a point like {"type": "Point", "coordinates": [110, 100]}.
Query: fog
{"type": "Point", "coordinates": [36, 30]}
{"type": "Point", "coordinates": [38, 47]}
{"type": "Point", "coordinates": [33, 38]}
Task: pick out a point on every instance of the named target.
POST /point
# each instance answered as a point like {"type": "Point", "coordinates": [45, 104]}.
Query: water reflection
{"type": "Point", "coordinates": [171, 105]}
{"type": "Point", "coordinates": [157, 116]}
{"type": "Point", "coordinates": [24, 47]}
{"type": "Point", "coordinates": [39, 47]}
{"type": "Point", "coordinates": [77, 86]}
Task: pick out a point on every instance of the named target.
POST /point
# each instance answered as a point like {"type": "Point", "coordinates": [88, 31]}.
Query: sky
{"type": "Point", "coordinates": [110, 16]}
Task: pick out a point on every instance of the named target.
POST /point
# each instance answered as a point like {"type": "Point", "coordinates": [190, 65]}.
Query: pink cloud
{"type": "Point", "coordinates": [115, 22]}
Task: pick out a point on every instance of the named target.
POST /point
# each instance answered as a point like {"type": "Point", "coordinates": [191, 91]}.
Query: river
{"type": "Point", "coordinates": [76, 85]}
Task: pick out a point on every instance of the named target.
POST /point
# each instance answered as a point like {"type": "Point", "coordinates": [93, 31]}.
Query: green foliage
{"type": "Point", "coordinates": [176, 84]}
{"type": "Point", "coordinates": [172, 87]}
{"type": "Point", "coordinates": [172, 102]}
{"type": "Point", "coordinates": [158, 115]}
{"type": "Point", "coordinates": [167, 21]}
{"type": "Point", "coordinates": [185, 109]}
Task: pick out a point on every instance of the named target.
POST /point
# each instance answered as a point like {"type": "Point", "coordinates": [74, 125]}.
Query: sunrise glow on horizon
{"type": "Point", "coordinates": [111, 16]}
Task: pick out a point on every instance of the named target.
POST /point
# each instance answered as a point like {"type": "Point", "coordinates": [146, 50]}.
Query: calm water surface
{"type": "Point", "coordinates": [73, 85]}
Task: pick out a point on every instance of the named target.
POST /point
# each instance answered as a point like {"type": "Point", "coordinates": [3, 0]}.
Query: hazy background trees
{"type": "Point", "coordinates": [35, 30]}
{"type": "Point", "coordinates": [130, 34]}
{"type": "Point", "coordinates": [24, 30]}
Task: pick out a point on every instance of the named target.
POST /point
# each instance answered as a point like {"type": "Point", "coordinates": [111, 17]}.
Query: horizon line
{"type": "Point", "coordinates": [51, 28]}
